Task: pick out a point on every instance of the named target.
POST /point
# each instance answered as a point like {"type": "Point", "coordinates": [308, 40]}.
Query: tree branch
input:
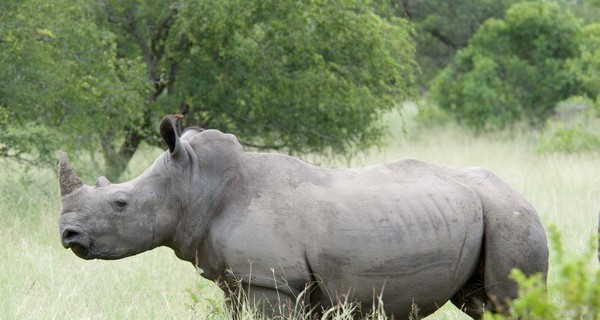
{"type": "Point", "coordinates": [407, 9]}
{"type": "Point", "coordinates": [443, 39]}
{"type": "Point", "coordinates": [130, 27]}
{"type": "Point", "coordinates": [157, 44]}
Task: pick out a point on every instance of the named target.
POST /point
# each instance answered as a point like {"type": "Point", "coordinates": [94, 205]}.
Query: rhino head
{"type": "Point", "coordinates": [113, 221]}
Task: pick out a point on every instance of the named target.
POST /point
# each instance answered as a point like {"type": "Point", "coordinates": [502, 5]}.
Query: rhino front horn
{"type": "Point", "coordinates": [69, 182]}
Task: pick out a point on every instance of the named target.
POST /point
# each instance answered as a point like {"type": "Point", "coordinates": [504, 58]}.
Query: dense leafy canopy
{"type": "Point", "coordinates": [297, 76]}
{"type": "Point", "coordinates": [443, 27]}
{"type": "Point", "coordinates": [300, 76]}
{"type": "Point", "coordinates": [65, 86]}
{"type": "Point", "coordinates": [518, 68]}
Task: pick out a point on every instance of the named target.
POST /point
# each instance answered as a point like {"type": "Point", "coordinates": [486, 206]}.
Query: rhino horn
{"type": "Point", "coordinates": [66, 176]}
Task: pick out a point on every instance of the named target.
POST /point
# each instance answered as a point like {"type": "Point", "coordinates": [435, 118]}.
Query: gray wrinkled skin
{"type": "Point", "coordinates": [272, 225]}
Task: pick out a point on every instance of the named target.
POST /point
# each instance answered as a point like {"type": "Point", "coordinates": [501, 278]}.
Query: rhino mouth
{"type": "Point", "coordinates": [74, 238]}
{"type": "Point", "coordinates": [82, 252]}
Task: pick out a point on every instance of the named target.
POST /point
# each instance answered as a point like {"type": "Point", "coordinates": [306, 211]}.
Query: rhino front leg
{"type": "Point", "coordinates": [269, 302]}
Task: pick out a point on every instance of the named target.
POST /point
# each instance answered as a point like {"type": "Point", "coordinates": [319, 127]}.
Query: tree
{"type": "Point", "coordinates": [64, 86]}
{"type": "Point", "coordinates": [443, 27]}
{"type": "Point", "coordinates": [589, 64]}
{"type": "Point", "coordinates": [297, 76]}
{"type": "Point", "coordinates": [588, 10]}
{"type": "Point", "coordinates": [515, 68]}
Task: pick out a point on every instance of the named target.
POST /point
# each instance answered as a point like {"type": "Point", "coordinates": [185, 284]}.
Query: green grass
{"type": "Point", "coordinates": [41, 280]}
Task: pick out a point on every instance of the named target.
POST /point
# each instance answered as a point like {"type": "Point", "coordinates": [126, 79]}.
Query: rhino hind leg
{"type": "Point", "coordinates": [472, 298]}
{"type": "Point", "coordinates": [513, 238]}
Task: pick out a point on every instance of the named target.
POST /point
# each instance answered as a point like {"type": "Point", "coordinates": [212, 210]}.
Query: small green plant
{"type": "Point", "coordinates": [204, 302]}
{"type": "Point", "coordinates": [571, 139]}
{"type": "Point", "coordinates": [574, 127]}
{"type": "Point", "coordinates": [431, 114]}
{"type": "Point", "coordinates": [576, 289]}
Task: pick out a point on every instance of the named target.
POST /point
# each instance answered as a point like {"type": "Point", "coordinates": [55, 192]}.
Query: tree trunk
{"type": "Point", "coordinates": [116, 161]}
{"type": "Point", "coordinates": [153, 52]}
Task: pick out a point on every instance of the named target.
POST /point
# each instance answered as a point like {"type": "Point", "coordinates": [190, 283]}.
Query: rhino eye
{"type": "Point", "coordinates": [119, 205]}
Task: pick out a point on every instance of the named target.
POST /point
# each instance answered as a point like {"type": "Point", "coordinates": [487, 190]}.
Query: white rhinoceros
{"type": "Point", "coordinates": [406, 234]}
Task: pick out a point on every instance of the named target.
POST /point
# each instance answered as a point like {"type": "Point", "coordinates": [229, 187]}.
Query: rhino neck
{"type": "Point", "coordinates": [212, 189]}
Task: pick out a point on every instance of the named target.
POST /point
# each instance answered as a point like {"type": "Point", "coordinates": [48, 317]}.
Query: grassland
{"type": "Point", "coordinates": [41, 280]}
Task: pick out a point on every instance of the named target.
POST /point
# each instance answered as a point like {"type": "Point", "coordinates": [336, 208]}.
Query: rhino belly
{"type": "Point", "coordinates": [421, 253]}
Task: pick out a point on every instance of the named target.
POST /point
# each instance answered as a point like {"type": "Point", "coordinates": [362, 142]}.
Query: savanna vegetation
{"type": "Point", "coordinates": [94, 77]}
{"type": "Point", "coordinates": [513, 86]}
{"type": "Point", "coordinates": [40, 279]}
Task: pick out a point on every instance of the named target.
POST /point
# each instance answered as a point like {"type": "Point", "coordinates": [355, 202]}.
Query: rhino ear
{"type": "Point", "coordinates": [169, 133]}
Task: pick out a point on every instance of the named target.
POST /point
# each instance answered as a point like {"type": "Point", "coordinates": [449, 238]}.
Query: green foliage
{"type": "Point", "coordinates": [589, 64]}
{"type": "Point", "coordinates": [574, 138]}
{"type": "Point", "coordinates": [589, 10]}
{"type": "Point", "coordinates": [516, 68]}
{"type": "Point", "coordinates": [577, 284]}
{"type": "Point", "coordinates": [574, 128]}
{"type": "Point", "coordinates": [204, 302]}
{"type": "Point", "coordinates": [297, 76]}
{"type": "Point", "coordinates": [443, 27]}
{"type": "Point", "coordinates": [64, 86]}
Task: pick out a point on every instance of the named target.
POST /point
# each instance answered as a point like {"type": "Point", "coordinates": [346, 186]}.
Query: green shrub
{"type": "Point", "coordinates": [518, 68]}
{"type": "Point", "coordinates": [565, 138]}
{"type": "Point", "coordinates": [574, 128]}
{"type": "Point", "coordinates": [430, 114]}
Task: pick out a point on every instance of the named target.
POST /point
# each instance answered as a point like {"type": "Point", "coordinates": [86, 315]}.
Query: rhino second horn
{"type": "Point", "coordinates": [69, 182]}
{"type": "Point", "coordinates": [102, 182]}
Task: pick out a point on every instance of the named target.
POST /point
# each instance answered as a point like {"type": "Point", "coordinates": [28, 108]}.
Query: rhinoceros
{"type": "Point", "coordinates": [401, 236]}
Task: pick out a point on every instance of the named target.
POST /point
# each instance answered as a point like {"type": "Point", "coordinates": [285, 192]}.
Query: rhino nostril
{"type": "Point", "coordinates": [72, 236]}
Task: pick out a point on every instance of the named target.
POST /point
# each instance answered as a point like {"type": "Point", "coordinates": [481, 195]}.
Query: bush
{"type": "Point", "coordinates": [574, 128]}
{"type": "Point", "coordinates": [518, 68]}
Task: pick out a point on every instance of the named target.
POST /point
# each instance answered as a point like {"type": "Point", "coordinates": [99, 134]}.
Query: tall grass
{"type": "Point", "coordinates": [41, 280]}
